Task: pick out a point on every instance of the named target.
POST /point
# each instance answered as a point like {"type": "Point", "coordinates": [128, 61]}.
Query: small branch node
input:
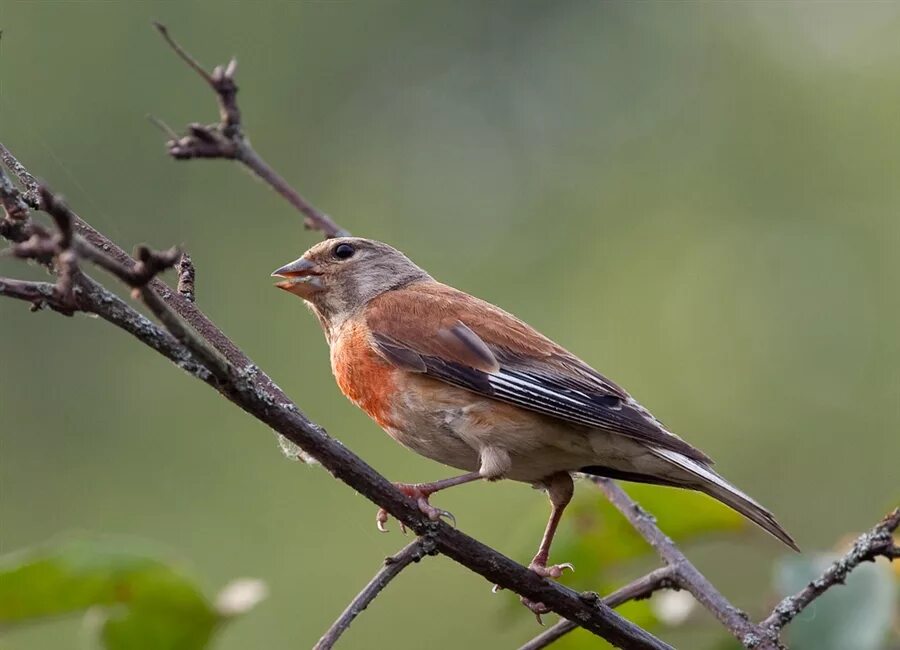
{"type": "Point", "coordinates": [150, 263]}
{"type": "Point", "coordinates": [186, 276]}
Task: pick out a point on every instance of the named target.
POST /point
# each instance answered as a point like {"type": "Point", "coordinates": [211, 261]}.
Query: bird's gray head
{"type": "Point", "coordinates": [339, 276]}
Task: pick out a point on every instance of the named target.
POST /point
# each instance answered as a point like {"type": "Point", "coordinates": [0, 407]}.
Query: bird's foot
{"type": "Point", "coordinates": [538, 609]}
{"type": "Point", "coordinates": [419, 492]}
{"type": "Point", "coordinates": [553, 571]}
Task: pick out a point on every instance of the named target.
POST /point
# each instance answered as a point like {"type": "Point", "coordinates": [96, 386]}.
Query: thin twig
{"type": "Point", "coordinates": [187, 58]}
{"type": "Point", "coordinates": [878, 542]}
{"type": "Point", "coordinates": [689, 577]}
{"type": "Point", "coordinates": [314, 219]}
{"type": "Point", "coordinates": [162, 126]}
{"type": "Point", "coordinates": [39, 294]}
{"type": "Point", "coordinates": [393, 565]}
{"type": "Point", "coordinates": [763, 636]}
{"type": "Point", "coordinates": [226, 140]}
{"type": "Point", "coordinates": [643, 587]}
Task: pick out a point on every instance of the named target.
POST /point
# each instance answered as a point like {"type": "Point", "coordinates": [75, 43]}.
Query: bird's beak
{"type": "Point", "coordinates": [302, 278]}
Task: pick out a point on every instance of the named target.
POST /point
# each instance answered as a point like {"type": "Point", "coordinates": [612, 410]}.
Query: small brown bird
{"type": "Point", "coordinates": [464, 383]}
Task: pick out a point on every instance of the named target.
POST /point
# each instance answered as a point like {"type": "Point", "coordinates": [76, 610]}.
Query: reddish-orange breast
{"type": "Point", "coordinates": [362, 375]}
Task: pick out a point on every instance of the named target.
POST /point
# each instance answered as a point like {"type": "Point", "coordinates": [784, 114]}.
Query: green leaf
{"type": "Point", "coordinates": [856, 615]}
{"type": "Point", "coordinates": [147, 602]}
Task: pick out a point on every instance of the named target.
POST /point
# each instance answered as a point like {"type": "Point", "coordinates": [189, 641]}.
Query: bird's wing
{"type": "Point", "coordinates": [435, 330]}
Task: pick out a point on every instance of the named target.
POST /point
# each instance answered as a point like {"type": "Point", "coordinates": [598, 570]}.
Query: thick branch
{"type": "Point", "coordinates": [93, 298]}
{"type": "Point", "coordinates": [643, 587]}
{"type": "Point", "coordinates": [221, 369]}
{"type": "Point", "coordinates": [393, 565]}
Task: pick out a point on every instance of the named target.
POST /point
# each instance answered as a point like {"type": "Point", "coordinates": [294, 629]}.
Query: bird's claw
{"type": "Point", "coordinates": [381, 518]}
{"type": "Point", "coordinates": [538, 609]}
{"type": "Point", "coordinates": [421, 498]}
{"type": "Point", "coordinates": [553, 571]}
{"type": "Point", "coordinates": [436, 513]}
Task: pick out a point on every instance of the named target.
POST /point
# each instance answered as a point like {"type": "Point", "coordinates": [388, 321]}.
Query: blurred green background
{"type": "Point", "coordinates": [701, 200]}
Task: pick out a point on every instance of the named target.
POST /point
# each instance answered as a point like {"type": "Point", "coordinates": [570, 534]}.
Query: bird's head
{"type": "Point", "coordinates": [339, 276]}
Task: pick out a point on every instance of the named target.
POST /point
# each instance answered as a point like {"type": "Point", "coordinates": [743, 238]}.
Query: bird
{"type": "Point", "coordinates": [464, 383]}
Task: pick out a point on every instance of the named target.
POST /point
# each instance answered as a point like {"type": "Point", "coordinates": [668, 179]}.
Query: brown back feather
{"type": "Point", "coordinates": [431, 328]}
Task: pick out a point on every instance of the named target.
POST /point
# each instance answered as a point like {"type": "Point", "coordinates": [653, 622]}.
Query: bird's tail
{"type": "Point", "coordinates": [709, 482]}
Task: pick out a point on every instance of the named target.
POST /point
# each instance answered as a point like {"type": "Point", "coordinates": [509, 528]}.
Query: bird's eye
{"type": "Point", "coordinates": [343, 251]}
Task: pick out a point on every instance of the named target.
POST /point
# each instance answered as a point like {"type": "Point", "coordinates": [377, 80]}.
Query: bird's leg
{"type": "Point", "coordinates": [420, 492]}
{"type": "Point", "coordinates": [560, 489]}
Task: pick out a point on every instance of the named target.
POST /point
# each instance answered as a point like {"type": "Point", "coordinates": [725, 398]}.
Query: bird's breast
{"type": "Point", "coordinates": [363, 376]}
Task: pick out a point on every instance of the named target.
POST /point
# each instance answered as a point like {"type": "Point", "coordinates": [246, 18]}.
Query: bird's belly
{"type": "Point", "coordinates": [453, 426]}
{"type": "Point", "coordinates": [436, 443]}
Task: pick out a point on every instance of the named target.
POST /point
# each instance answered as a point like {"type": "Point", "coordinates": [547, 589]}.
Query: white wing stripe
{"type": "Point", "coordinates": [529, 386]}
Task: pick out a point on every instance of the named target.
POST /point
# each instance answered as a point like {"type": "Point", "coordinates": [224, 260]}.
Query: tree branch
{"type": "Point", "coordinates": [14, 205]}
{"type": "Point", "coordinates": [393, 565]}
{"type": "Point", "coordinates": [644, 587]}
{"type": "Point", "coordinates": [878, 542]}
{"type": "Point", "coordinates": [39, 294]}
{"type": "Point", "coordinates": [28, 181]}
{"type": "Point", "coordinates": [247, 387]}
{"type": "Point", "coordinates": [226, 139]}
{"type": "Point", "coordinates": [762, 636]}
{"type": "Point", "coordinates": [689, 577]}
{"type": "Point", "coordinates": [183, 307]}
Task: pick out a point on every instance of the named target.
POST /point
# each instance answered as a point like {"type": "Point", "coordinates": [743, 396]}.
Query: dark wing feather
{"type": "Point", "coordinates": [463, 341]}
